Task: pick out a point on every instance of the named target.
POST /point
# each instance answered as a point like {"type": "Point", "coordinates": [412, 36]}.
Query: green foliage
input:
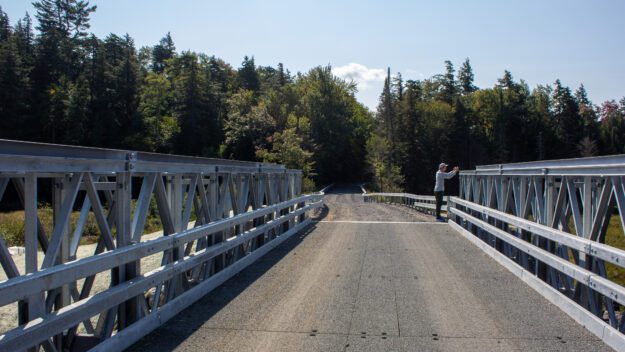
{"type": "Point", "coordinates": [199, 122]}
{"type": "Point", "coordinates": [12, 224]}
{"type": "Point", "coordinates": [155, 106]}
{"type": "Point", "coordinates": [612, 127]}
{"type": "Point", "coordinates": [64, 85]}
{"type": "Point", "coordinates": [287, 150]}
{"type": "Point", "coordinates": [248, 75]}
{"type": "Point", "coordinates": [446, 118]}
{"type": "Point", "coordinates": [385, 174]}
{"type": "Point", "coordinates": [466, 77]}
{"type": "Point", "coordinates": [247, 127]}
{"type": "Point", "coordinates": [162, 52]}
{"type": "Point", "coordinates": [339, 125]}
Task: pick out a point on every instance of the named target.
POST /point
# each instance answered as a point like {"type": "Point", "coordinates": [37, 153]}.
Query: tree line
{"type": "Point", "coordinates": [61, 84]}
{"type": "Point", "coordinates": [420, 123]}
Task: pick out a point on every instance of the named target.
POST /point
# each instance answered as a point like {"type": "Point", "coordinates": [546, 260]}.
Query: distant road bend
{"type": "Point", "coordinates": [372, 277]}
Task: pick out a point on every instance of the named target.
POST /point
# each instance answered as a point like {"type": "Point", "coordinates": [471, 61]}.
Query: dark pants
{"type": "Point", "coordinates": [439, 203]}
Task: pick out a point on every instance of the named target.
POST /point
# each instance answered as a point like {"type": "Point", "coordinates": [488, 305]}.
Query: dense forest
{"type": "Point", "coordinates": [61, 84]}
{"type": "Point", "coordinates": [64, 85]}
{"type": "Point", "coordinates": [447, 118]}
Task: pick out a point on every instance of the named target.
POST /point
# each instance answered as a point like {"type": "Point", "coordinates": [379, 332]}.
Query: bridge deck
{"type": "Point", "coordinates": [389, 284]}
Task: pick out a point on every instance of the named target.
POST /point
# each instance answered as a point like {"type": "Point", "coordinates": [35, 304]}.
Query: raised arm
{"type": "Point", "coordinates": [452, 173]}
{"type": "Point", "coordinates": [449, 174]}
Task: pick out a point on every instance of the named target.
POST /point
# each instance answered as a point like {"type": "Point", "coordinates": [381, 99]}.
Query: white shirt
{"type": "Point", "coordinates": [440, 180]}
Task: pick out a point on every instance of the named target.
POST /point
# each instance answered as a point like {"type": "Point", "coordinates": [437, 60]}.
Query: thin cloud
{"type": "Point", "coordinates": [360, 74]}
{"type": "Point", "coordinates": [414, 72]}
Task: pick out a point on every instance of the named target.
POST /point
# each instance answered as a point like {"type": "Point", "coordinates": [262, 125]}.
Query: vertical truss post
{"type": "Point", "coordinates": [63, 295]}
{"type": "Point", "coordinates": [36, 302]}
{"type": "Point", "coordinates": [127, 312]}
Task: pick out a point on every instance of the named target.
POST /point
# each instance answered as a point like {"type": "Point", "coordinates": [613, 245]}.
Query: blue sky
{"type": "Point", "coordinates": [538, 41]}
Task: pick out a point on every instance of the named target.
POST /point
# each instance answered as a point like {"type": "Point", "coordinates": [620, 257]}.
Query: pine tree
{"type": "Point", "coordinates": [465, 78]}
{"type": "Point", "coordinates": [191, 108]}
{"type": "Point", "coordinates": [398, 85]}
{"type": "Point", "coordinates": [67, 18]}
{"type": "Point", "coordinates": [248, 76]}
{"type": "Point", "coordinates": [589, 116]}
{"type": "Point", "coordinates": [77, 112]}
{"type": "Point", "coordinates": [15, 85]}
{"type": "Point", "coordinates": [385, 108]}
{"type": "Point", "coordinates": [569, 125]}
{"type": "Point", "coordinates": [449, 87]}
{"type": "Point", "coordinates": [162, 52]}
{"type": "Point", "coordinates": [506, 82]}
{"type": "Point", "coordinates": [5, 26]}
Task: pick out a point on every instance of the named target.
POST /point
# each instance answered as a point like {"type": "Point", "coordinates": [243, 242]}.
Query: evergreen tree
{"type": "Point", "coordinates": [76, 115]}
{"type": "Point", "coordinates": [398, 85]}
{"type": "Point", "coordinates": [248, 76]}
{"type": "Point", "coordinates": [5, 26]}
{"type": "Point", "coordinates": [67, 18]}
{"type": "Point", "coordinates": [162, 52]}
{"type": "Point", "coordinates": [15, 86]}
{"type": "Point", "coordinates": [466, 77]}
{"type": "Point", "coordinates": [612, 127]}
{"type": "Point", "coordinates": [385, 109]}
{"type": "Point", "coordinates": [449, 87]}
{"type": "Point", "coordinates": [569, 125]}
{"type": "Point", "coordinates": [589, 116]}
{"type": "Point", "coordinates": [62, 29]}
{"type": "Point", "coordinates": [191, 107]}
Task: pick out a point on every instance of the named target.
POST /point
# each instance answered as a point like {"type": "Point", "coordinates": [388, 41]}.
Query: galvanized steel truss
{"type": "Point", "coordinates": [547, 222]}
{"type": "Point", "coordinates": [241, 211]}
{"type": "Point", "coordinates": [551, 218]}
{"type": "Point", "coordinates": [424, 204]}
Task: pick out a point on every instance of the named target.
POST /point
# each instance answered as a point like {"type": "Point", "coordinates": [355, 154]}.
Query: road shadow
{"type": "Point", "coordinates": [350, 188]}
{"type": "Point", "coordinates": [171, 334]}
{"type": "Point", "coordinates": [320, 215]}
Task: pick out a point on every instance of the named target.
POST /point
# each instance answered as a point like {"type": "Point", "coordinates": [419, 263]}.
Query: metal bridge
{"type": "Point", "coordinates": [245, 262]}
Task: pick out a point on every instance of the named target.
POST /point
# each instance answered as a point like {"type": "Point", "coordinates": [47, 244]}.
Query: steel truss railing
{"type": "Point", "coordinates": [425, 204]}
{"type": "Point", "coordinates": [547, 221]}
{"type": "Point", "coordinates": [241, 210]}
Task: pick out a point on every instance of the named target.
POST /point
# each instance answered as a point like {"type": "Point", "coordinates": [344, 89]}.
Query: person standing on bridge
{"type": "Point", "coordinates": [439, 187]}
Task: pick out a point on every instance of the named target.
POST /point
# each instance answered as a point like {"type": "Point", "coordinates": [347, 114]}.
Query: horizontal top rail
{"type": "Point", "coordinates": [58, 275]}
{"type": "Point", "coordinates": [406, 195]}
{"type": "Point", "coordinates": [608, 253]}
{"type": "Point", "coordinates": [19, 156]}
{"type": "Point", "coordinates": [600, 165]}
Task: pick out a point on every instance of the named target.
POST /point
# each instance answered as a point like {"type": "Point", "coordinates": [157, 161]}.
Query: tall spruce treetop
{"type": "Point", "coordinates": [69, 17]}
{"type": "Point", "coordinates": [569, 124]}
{"type": "Point", "coordinates": [248, 75]}
{"type": "Point", "coordinates": [449, 83]}
{"type": "Point", "coordinates": [582, 96]}
{"type": "Point", "coordinates": [506, 82]}
{"type": "Point", "coordinates": [398, 84]}
{"type": "Point", "coordinates": [385, 108]}
{"type": "Point", "coordinates": [162, 51]}
{"type": "Point", "coordinates": [284, 77]}
{"type": "Point", "coordinates": [5, 27]}
{"type": "Point", "coordinates": [466, 77]}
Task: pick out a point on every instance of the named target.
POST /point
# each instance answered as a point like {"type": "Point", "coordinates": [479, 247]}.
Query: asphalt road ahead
{"type": "Point", "coordinates": [372, 277]}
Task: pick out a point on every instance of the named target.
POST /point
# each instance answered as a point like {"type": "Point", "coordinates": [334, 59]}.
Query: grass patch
{"type": "Point", "coordinates": [615, 238]}
{"type": "Point", "coordinates": [12, 224]}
